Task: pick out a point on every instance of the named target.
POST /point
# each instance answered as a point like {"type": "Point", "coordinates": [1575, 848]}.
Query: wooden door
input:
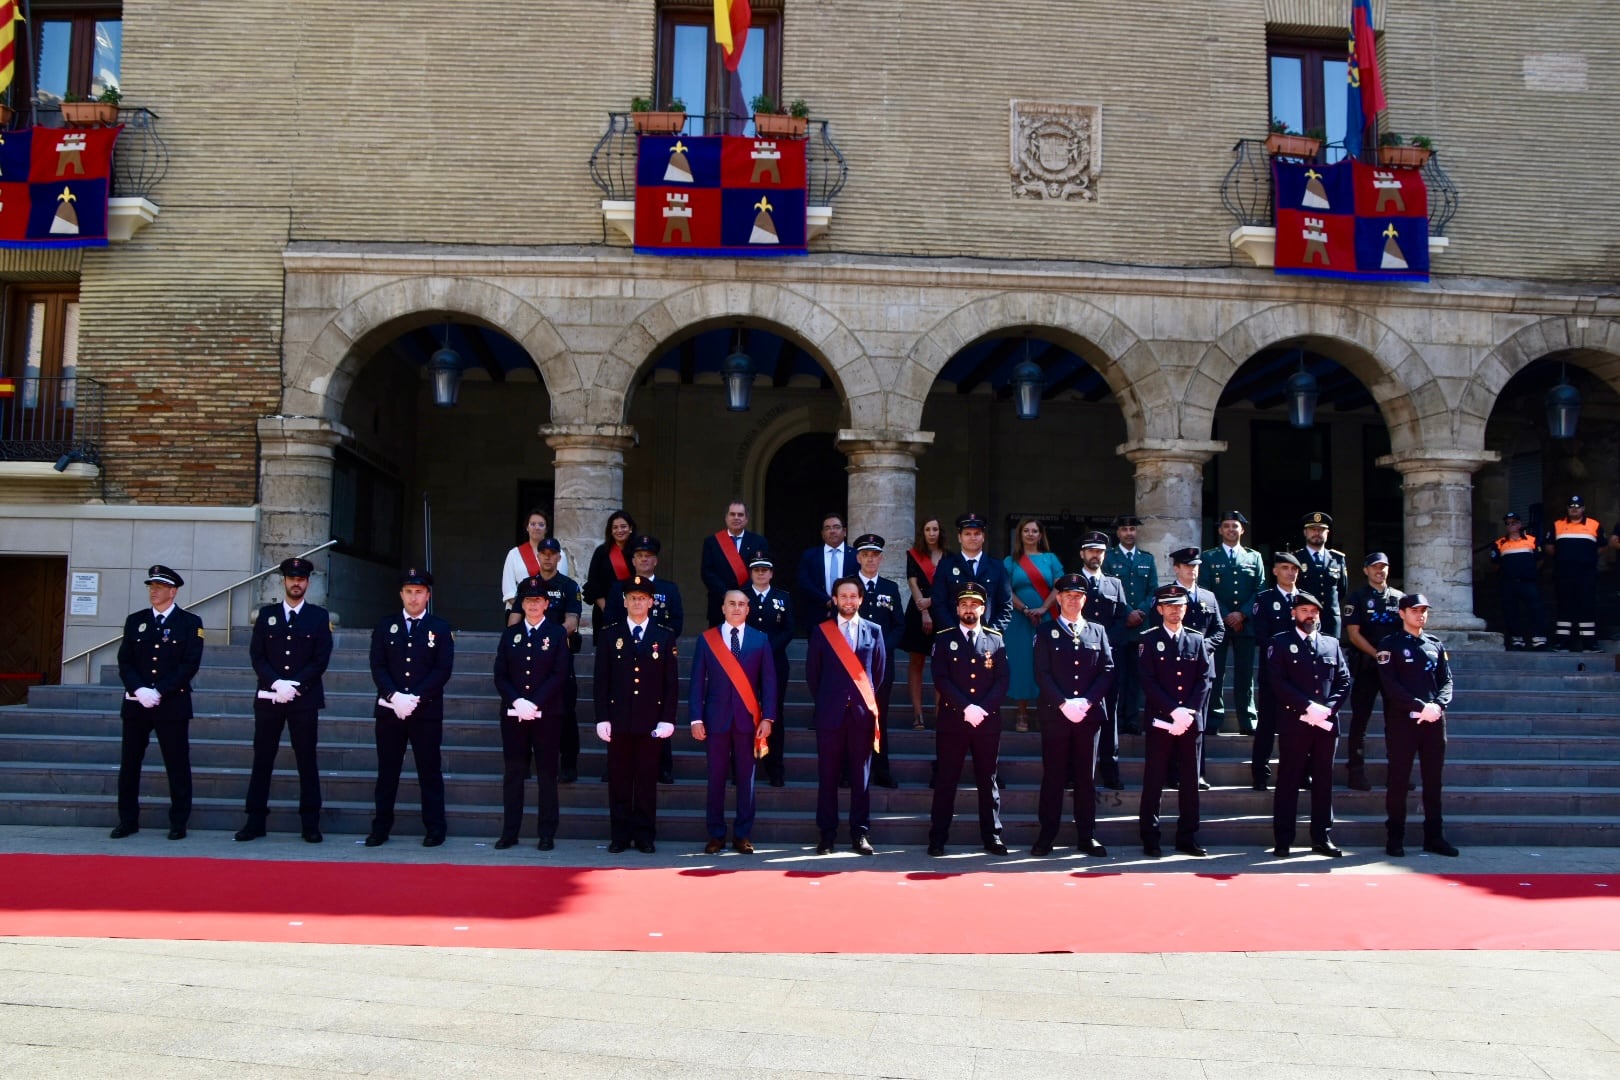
{"type": "Point", "coordinates": [31, 633]}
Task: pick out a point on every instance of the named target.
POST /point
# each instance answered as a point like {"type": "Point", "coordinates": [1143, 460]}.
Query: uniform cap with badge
{"type": "Point", "coordinates": [1576, 500]}
{"type": "Point", "coordinates": [869, 542]}
{"type": "Point", "coordinates": [158, 574]}
{"type": "Point", "coordinates": [532, 586]}
{"type": "Point", "coordinates": [1287, 558]}
{"type": "Point", "coordinates": [1233, 515]}
{"type": "Point", "coordinates": [1317, 518]}
{"type": "Point", "coordinates": [645, 543]}
{"type": "Point", "coordinates": [1511, 516]}
{"type": "Point", "coordinates": [638, 584]}
{"type": "Point", "coordinates": [970, 520]}
{"type": "Point", "coordinates": [761, 559]}
{"type": "Point", "coordinates": [296, 567]}
{"type": "Point", "coordinates": [413, 576]}
{"type": "Point", "coordinates": [1187, 556]}
{"type": "Point", "coordinates": [1127, 519]}
{"type": "Point", "coordinates": [550, 543]}
{"type": "Point", "coordinates": [1070, 583]}
{"type": "Point", "coordinates": [1094, 540]}
{"type": "Point", "coordinates": [972, 591]}
{"type": "Point", "coordinates": [1302, 598]}
{"type": "Point", "coordinates": [1170, 595]}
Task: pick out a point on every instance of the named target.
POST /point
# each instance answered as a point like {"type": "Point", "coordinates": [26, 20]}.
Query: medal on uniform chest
{"type": "Point", "coordinates": [655, 650]}
{"type": "Point", "coordinates": [545, 643]}
{"type": "Point", "coordinates": [988, 663]}
{"type": "Point", "coordinates": [431, 642]}
{"type": "Point", "coordinates": [141, 629]}
{"type": "Point", "coordinates": [517, 639]}
{"type": "Point", "coordinates": [619, 644]}
{"type": "Point", "coordinates": [394, 629]}
{"type": "Point", "coordinates": [1293, 648]}
{"type": "Point", "coordinates": [272, 620]}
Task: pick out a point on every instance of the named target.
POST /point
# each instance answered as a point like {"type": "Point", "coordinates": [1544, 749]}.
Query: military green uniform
{"type": "Point", "coordinates": [1236, 579]}
{"type": "Point", "coordinates": [1139, 573]}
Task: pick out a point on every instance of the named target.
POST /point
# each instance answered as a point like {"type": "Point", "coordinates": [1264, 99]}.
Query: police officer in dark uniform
{"type": "Point", "coordinates": [158, 658]}
{"type": "Point", "coordinates": [666, 612]}
{"type": "Point", "coordinates": [1074, 670]}
{"type": "Point", "coordinates": [880, 605]}
{"type": "Point", "coordinates": [290, 648]}
{"type": "Point", "coordinates": [969, 665]}
{"type": "Point", "coordinates": [1324, 572]}
{"type": "Point", "coordinates": [1309, 681]}
{"type": "Point", "coordinates": [565, 603]}
{"type": "Point", "coordinates": [1271, 613]}
{"type": "Point", "coordinates": [532, 670]}
{"type": "Point", "coordinates": [1176, 667]}
{"type": "Point", "coordinates": [637, 687]}
{"type": "Point", "coordinates": [1517, 557]}
{"type": "Point", "coordinates": [412, 656]}
{"type": "Point", "coordinates": [1204, 616]}
{"type": "Point", "coordinates": [1373, 615]}
{"type": "Point", "coordinates": [1107, 606]}
{"type": "Point", "coordinates": [1576, 542]}
{"type": "Point", "coordinates": [1416, 674]}
{"type": "Point", "coordinates": [770, 611]}
{"type": "Point", "coordinates": [971, 563]}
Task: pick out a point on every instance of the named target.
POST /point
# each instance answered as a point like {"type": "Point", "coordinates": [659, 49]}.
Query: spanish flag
{"type": "Point", "coordinates": [9, 18]}
{"type": "Point", "coordinates": [731, 19]}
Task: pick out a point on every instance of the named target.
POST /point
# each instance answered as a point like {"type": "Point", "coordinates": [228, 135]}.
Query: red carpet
{"type": "Point", "coordinates": [797, 911]}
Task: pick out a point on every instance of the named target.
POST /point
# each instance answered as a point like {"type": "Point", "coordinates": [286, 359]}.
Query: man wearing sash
{"type": "Point", "coordinates": [1074, 668]}
{"type": "Point", "coordinates": [970, 678]}
{"type": "Point", "coordinates": [533, 668]}
{"type": "Point", "coordinates": [725, 557]}
{"type": "Point", "coordinates": [637, 689]}
{"type": "Point", "coordinates": [880, 603]}
{"type": "Point", "coordinates": [844, 667]}
{"type": "Point", "coordinates": [732, 695]}
{"type": "Point", "coordinates": [770, 611]}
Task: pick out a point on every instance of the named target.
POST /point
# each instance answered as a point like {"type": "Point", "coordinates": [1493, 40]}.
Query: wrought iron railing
{"type": "Point", "coordinates": [1246, 190]}
{"type": "Point", "coordinates": [613, 162]}
{"type": "Point", "coordinates": [140, 158]}
{"type": "Point", "coordinates": [55, 419]}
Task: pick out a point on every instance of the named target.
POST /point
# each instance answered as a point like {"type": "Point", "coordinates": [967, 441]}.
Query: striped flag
{"type": "Point", "coordinates": [1365, 99]}
{"type": "Point", "coordinates": [9, 18]}
{"type": "Point", "coordinates": [731, 20]}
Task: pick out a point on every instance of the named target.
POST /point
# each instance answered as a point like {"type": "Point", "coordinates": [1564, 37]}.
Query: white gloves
{"type": "Point", "coordinates": [1318, 715]}
{"type": "Point", "coordinates": [404, 704]}
{"type": "Point", "coordinates": [1431, 712]}
{"type": "Point", "coordinates": [974, 715]}
{"type": "Point", "coordinates": [148, 697]}
{"type": "Point", "coordinates": [664, 730]}
{"type": "Point", "coordinates": [604, 731]}
{"type": "Point", "coordinates": [283, 691]}
{"type": "Point", "coordinates": [1074, 710]}
{"type": "Point", "coordinates": [1184, 718]}
{"type": "Point", "coordinates": [526, 709]}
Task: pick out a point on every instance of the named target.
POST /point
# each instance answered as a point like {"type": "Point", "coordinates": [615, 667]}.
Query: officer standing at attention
{"type": "Point", "coordinates": [1324, 572]}
{"type": "Point", "coordinates": [1204, 616]}
{"type": "Point", "coordinates": [1417, 692]}
{"type": "Point", "coordinates": [724, 564]}
{"type": "Point", "coordinates": [412, 655]}
{"type": "Point", "coordinates": [770, 611]}
{"type": "Point", "coordinates": [1177, 669]}
{"type": "Point", "coordinates": [970, 564]}
{"type": "Point", "coordinates": [969, 664]}
{"type": "Point", "coordinates": [1235, 574]}
{"type": "Point", "coordinates": [289, 650]}
{"type": "Point", "coordinates": [637, 686]}
{"type": "Point", "coordinates": [880, 605]}
{"type": "Point", "coordinates": [666, 611]}
{"type": "Point", "coordinates": [1138, 571]}
{"type": "Point", "coordinates": [1309, 681]}
{"type": "Point", "coordinates": [1108, 608]}
{"type": "Point", "coordinates": [1271, 613]}
{"type": "Point", "coordinates": [1576, 542]}
{"type": "Point", "coordinates": [1374, 614]}
{"type": "Point", "coordinates": [1073, 669]}
{"type": "Point", "coordinates": [733, 688]}
{"type": "Point", "coordinates": [565, 603]}
{"type": "Point", "coordinates": [532, 670]}
{"type": "Point", "coordinates": [158, 658]}
{"type": "Point", "coordinates": [844, 666]}
{"type": "Point", "coordinates": [1517, 557]}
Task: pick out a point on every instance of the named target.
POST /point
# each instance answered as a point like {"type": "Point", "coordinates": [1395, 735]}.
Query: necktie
{"type": "Point", "coordinates": [636, 633]}
{"type": "Point", "coordinates": [973, 567]}
{"type": "Point", "coordinates": [833, 569]}
{"type": "Point", "coordinates": [738, 541]}
{"type": "Point", "coordinates": [410, 626]}
{"type": "Point", "coordinates": [972, 642]}
{"type": "Point", "coordinates": [849, 633]}
{"type": "Point", "coordinates": [291, 616]}
{"type": "Point", "coordinates": [871, 588]}
{"type": "Point", "coordinates": [161, 619]}
{"type": "Point", "coordinates": [736, 644]}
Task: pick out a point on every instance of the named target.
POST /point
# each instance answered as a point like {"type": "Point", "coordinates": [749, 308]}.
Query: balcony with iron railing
{"type": "Point", "coordinates": [1247, 194]}
{"type": "Point", "coordinates": [50, 434]}
{"type": "Point", "coordinates": [140, 160]}
{"type": "Point", "coordinates": [613, 165]}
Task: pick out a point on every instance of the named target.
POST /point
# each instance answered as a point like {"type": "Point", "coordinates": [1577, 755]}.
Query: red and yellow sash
{"type": "Point", "coordinates": [925, 564]}
{"type": "Point", "coordinates": [739, 682]}
{"type": "Point", "coordinates": [733, 556]}
{"type": "Point", "coordinates": [857, 673]}
{"type": "Point", "coordinates": [621, 569]}
{"type": "Point", "coordinates": [1042, 588]}
{"type": "Point", "coordinates": [531, 561]}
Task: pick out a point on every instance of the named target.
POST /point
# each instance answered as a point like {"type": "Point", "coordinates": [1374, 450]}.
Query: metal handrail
{"type": "Point", "coordinates": [225, 592]}
{"type": "Point", "coordinates": [1246, 189]}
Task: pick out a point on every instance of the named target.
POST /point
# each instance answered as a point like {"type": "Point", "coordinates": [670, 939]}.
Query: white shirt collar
{"type": "Point", "coordinates": [408, 615]}
{"type": "Point", "coordinates": [534, 626]}
{"type": "Point", "coordinates": [728, 628]}
{"type": "Point", "coordinates": [1230, 549]}
{"type": "Point", "coordinates": [864, 578]}
{"type": "Point", "coordinates": [638, 625]}
{"type": "Point", "coordinates": [156, 614]}
{"type": "Point", "coordinates": [831, 550]}
{"type": "Point", "coordinates": [291, 610]}
{"type": "Point", "coordinates": [844, 623]}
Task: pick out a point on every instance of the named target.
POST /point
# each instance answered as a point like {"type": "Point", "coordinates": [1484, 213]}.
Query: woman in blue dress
{"type": "Point", "coordinates": [1032, 569]}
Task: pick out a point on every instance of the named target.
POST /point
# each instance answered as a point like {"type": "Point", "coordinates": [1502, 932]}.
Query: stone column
{"type": "Point", "coordinates": [1438, 493]}
{"type": "Point", "coordinates": [883, 489]}
{"type": "Point", "coordinates": [1169, 494]}
{"type": "Point", "coordinates": [295, 495]}
{"type": "Point", "coordinates": [589, 484]}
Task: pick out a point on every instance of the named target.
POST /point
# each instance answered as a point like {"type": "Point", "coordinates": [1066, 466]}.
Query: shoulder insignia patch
{"type": "Point", "coordinates": [201, 634]}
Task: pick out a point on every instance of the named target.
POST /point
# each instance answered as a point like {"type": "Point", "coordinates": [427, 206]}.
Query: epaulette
{"type": "Point", "coordinates": [944, 629]}
{"type": "Point", "coordinates": [1336, 551]}
{"type": "Point", "coordinates": [991, 630]}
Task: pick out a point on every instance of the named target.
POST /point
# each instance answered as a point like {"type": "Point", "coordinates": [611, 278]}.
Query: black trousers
{"type": "Point", "coordinates": [1521, 610]}
{"type": "Point", "coordinates": [1364, 690]}
{"type": "Point", "coordinates": [954, 740]}
{"type": "Point", "coordinates": [1126, 695]}
{"type": "Point", "coordinates": [633, 787]}
{"type": "Point", "coordinates": [1241, 648]}
{"type": "Point", "coordinates": [1577, 608]}
{"type": "Point", "coordinates": [1108, 739]}
{"type": "Point", "coordinates": [568, 736]}
{"type": "Point", "coordinates": [175, 743]}
{"type": "Point", "coordinates": [1068, 749]}
{"type": "Point", "coordinates": [1265, 732]}
{"type": "Point", "coordinates": [1406, 739]}
{"type": "Point", "coordinates": [524, 743]}
{"type": "Point", "coordinates": [424, 736]}
{"type": "Point", "coordinates": [1305, 749]}
{"type": "Point", "coordinates": [1161, 748]}
{"type": "Point", "coordinates": [268, 720]}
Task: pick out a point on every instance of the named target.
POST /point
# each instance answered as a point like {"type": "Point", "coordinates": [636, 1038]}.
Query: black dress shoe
{"type": "Point", "coordinates": [1358, 781]}
{"type": "Point", "coordinates": [1113, 783]}
{"type": "Point", "coordinates": [617, 846]}
{"type": "Point", "coordinates": [824, 847]}
{"type": "Point", "coordinates": [1259, 785]}
{"type": "Point", "coordinates": [1153, 851]}
{"type": "Point", "coordinates": [505, 842]}
{"type": "Point", "coordinates": [1395, 849]}
{"type": "Point", "coordinates": [1203, 785]}
{"type": "Point", "coordinates": [567, 776]}
{"type": "Point", "coordinates": [1440, 847]}
{"type": "Point", "coordinates": [123, 830]}
{"type": "Point", "coordinates": [1092, 848]}
{"type": "Point", "coordinates": [1041, 849]}
{"type": "Point", "coordinates": [995, 847]}
{"type": "Point", "coordinates": [313, 835]}
{"type": "Point", "coordinates": [886, 781]}
{"type": "Point", "coordinates": [376, 839]}
{"type": "Point", "coordinates": [863, 846]}
{"type": "Point", "coordinates": [545, 843]}
{"type": "Point", "coordinates": [777, 781]}
{"type": "Point", "coordinates": [666, 777]}
{"type": "Point", "coordinates": [248, 832]}
{"type": "Point", "coordinates": [432, 841]}
{"type": "Point", "coordinates": [177, 833]}
{"type": "Point", "coordinates": [1282, 851]}
{"type": "Point", "coordinates": [1328, 848]}
{"type": "Point", "coordinates": [646, 847]}
{"type": "Point", "coordinates": [1192, 849]}
{"type": "Point", "coordinates": [936, 850]}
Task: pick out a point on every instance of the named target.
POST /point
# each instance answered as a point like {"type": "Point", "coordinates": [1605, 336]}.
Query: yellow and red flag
{"type": "Point", "coordinates": [9, 18]}
{"type": "Point", "coordinates": [731, 19]}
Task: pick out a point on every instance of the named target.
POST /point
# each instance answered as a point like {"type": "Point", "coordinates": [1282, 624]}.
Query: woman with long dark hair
{"type": "Point", "coordinates": [917, 638]}
{"type": "Point", "coordinates": [610, 562]}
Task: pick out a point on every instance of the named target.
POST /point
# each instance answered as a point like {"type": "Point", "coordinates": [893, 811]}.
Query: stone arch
{"type": "Point", "coordinates": [760, 304]}
{"type": "Point", "coordinates": [1394, 372]}
{"type": "Point", "coordinates": [1126, 362]}
{"type": "Point", "coordinates": [1590, 343]}
{"type": "Point", "coordinates": [315, 382]}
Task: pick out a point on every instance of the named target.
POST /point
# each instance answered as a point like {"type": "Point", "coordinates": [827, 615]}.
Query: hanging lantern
{"type": "Point", "coordinates": [1302, 394]}
{"type": "Point", "coordinates": [738, 372]}
{"type": "Point", "coordinates": [444, 368]}
{"type": "Point", "coordinates": [1028, 383]}
{"type": "Point", "coordinates": [1563, 409]}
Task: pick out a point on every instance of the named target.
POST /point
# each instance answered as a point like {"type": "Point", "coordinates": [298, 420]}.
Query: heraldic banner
{"type": "Point", "coordinates": [54, 184]}
{"type": "Point", "coordinates": [1351, 220]}
{"type": "Point", "coordinates": [720, 195]}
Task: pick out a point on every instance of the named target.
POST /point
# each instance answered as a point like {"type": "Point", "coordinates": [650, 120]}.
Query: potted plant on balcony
{"type": "Point", "coordinates": [1397, 153]}
{"type": "Point", "coordinates": [649, 121]}
{"type": "Point", "coordinates": [772, 121]}
{"type": "Point", "coordinates": [78, 111]}
{"type": "Point", "coordinates": [1285, 143]}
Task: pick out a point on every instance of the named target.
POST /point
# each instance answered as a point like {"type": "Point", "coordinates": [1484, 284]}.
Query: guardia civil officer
{"type": "Point", "coordinates": [1576, 542]}
{"type": "Point", "coordinates": [969, 664]}
{"type": "Point", "coordinates": [565, 604]}
{"type": "Point", "coordinates": [880, 604]}
{"type": "Point", "coordinates": [1177, 668]}
{"type": "Point", "coordinates": [1517, 557]}
{"type": "Point", "coordinates": [1324, 572]}
{"type": "Point", "coordinates": [666, 611]}
{"type": "Point", "coordinates": [412, 657]}
{"type": "Point", "coordinates": [1271, 613]}
{"type": "Point", "coordinates": [1138, 572]}
{"type": "Point", "coordinates": [1309, 681]}
{"type": "Point", "coordinates": [637, 690]}
{"type": "Point", "coordinates": [770, 611]}
{"type": "Point", "coordinates": [724, 563]}
{"type": "Point", "coordinates": [158, 658]}
{"type": "Point", "coordinates": [1204, 616]}
{"type": "Point", "coordinates": [970, 563]}
{"type": "Point", "coordinates": [532, 669]}
{"type": "Point", "coordinates": [1374, 614]}
{"type": "Point", "coordinates": [1074, 669]}
{"type": "Point", "coordinates": [1235, 574]}
{"type": "Point", "coordinates": [289, 650]}
{"type": "Point", "coordinates": [1107, 606]}
{"type": "Point", "coordinates": [1417, 692]}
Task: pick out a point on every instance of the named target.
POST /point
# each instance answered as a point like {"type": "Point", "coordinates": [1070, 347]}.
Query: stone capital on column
{"type": "Point", "coordinates": [588, 484]}
{"type": "Point", "coordinates": [1438, 496]}
{"type": "Point", "coordinates": [295, 493]}
{"type": "Point", "coordinates": [1169, 493]}
{"type": "Point", "coordinates": [883, 488]}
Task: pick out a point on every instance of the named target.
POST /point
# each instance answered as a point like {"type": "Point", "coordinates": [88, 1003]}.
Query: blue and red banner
{"type": "Point", "coordinates": [54, 184]}
{"type": "Point", "coordinates": [720, 195]}
{"type": "Point", "coordinates": [1364, 97]}
{"type": "Point", "coordinates": [1351, 220]}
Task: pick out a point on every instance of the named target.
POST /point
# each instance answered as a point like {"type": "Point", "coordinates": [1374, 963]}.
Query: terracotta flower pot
{"type": "Point", "coordinates": [1403, 157]}
{"type": "Point", "coordinates": [769, 125]}
{"type": "Point", "coordinates": [1298, 146]}
{"type": "Point", "coordinates": [659, 123]}
{"type": "Point", "coordinates": [89, 113]}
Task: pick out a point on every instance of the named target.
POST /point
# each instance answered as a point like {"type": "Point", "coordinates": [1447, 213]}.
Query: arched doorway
{"type": "Point", "coordinates": [804, 480]}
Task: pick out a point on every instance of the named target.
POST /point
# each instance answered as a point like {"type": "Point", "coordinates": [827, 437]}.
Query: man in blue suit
{"type": "Point", "coordinates": [1310, 679]}
{"type": "Point", "coordinates": [971, 563]}
{"type": "Point", "coordinates": [844, 667]}
{"type": "Point", "coordinates": [820, 568]}
{"type": "Point", "coordinates": [726, 554]}
{"type": "Point", "coordinates": [732, 707]}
